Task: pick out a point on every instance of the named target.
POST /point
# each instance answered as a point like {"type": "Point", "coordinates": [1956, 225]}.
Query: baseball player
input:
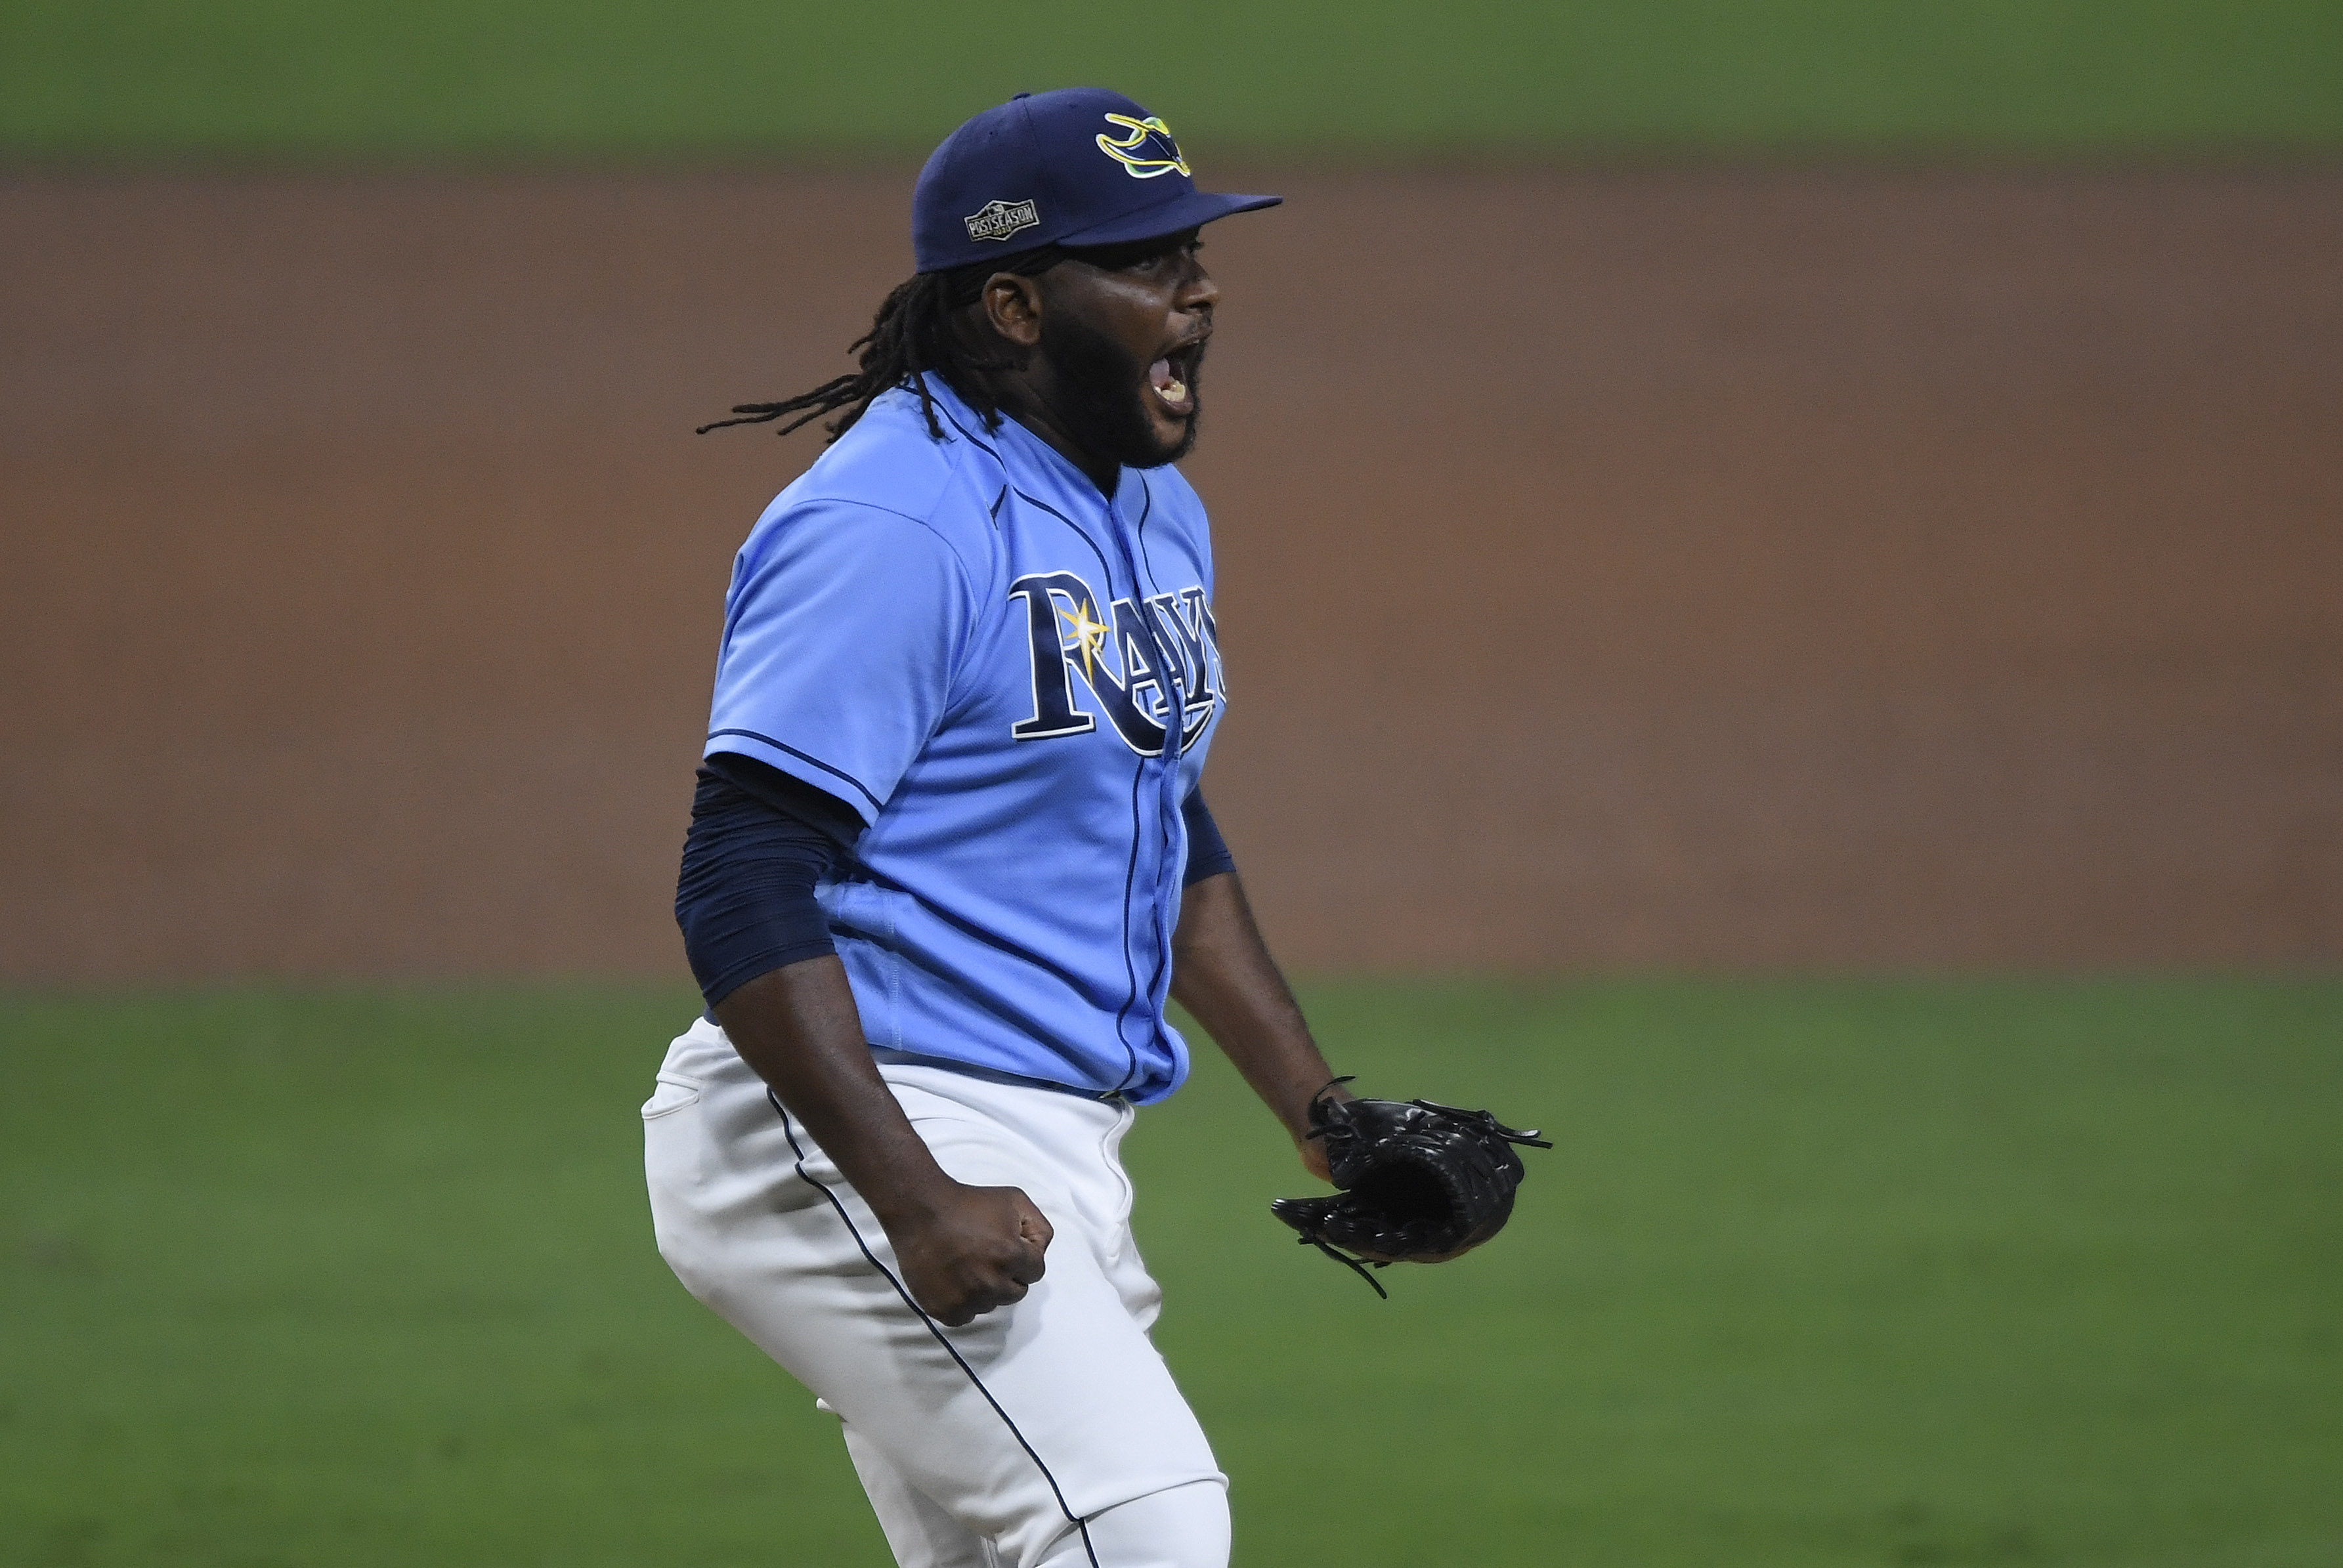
{"type": "Point", "coordinates": [949, 860]}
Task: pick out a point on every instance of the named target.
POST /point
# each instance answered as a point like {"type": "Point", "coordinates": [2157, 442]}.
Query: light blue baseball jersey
{"type": "Point", "coordinates": [1015, 681]}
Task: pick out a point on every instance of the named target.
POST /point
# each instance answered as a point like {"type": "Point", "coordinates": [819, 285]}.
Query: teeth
{"type": "Point", "coordinates": [1174, 391]}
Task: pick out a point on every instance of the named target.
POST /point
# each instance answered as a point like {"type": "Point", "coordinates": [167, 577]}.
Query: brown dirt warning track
{"type": "Point", "coordinates": [1682, 569]}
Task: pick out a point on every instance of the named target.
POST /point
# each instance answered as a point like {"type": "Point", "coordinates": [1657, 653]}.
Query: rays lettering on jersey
{"type": "Point", "coordinates": [1116, 657]}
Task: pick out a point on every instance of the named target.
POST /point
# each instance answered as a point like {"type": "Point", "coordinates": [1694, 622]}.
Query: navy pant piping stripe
{"type": "Point", "coordinates": [788, 1131]}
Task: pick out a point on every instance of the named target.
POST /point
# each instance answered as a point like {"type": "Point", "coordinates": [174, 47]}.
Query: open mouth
{"type": "Point", "coordinates": [1172, 379]}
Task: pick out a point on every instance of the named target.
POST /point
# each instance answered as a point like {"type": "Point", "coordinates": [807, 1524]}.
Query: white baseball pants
{"type": "Point", "coordinates": [1047, 1434]}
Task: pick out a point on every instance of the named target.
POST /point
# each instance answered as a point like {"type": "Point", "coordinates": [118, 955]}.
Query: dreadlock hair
{"type": "Point", "coordinates": [915, 330]}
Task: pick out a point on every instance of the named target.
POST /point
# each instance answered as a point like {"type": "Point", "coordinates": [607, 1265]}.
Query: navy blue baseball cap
{"type": "Point", "coordinates": [1081, 165]}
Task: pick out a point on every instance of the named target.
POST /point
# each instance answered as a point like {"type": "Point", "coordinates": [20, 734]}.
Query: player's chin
{"type": "Point", "coordinates": [1169, 437]}
{"type": "Point", "coordinates": [1171, 412]}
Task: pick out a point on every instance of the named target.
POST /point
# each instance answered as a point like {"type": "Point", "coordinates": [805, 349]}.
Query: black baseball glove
{"type": "Point", "coordinates": [1420, 1182]}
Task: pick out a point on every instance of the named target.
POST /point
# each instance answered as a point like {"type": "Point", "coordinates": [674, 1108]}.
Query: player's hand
{"type": "Point", "coordinates": [1313, 1149]}
{"type": "Point", "coordinates": [971, 1249]}
{"type": "Point", "coordinates": [1313, 1159]}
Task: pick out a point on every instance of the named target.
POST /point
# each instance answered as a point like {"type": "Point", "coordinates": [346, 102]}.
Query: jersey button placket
{"type": "Point", "coordinates": [1172, 685]}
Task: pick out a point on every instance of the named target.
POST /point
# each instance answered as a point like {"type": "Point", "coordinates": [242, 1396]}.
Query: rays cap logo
{"type": "Point", "coordinates": [1000, 219]}
{"type": "Point", "coordinates": [1144, 148]}
{"type": "Point", "coordinates": [1102, 170]}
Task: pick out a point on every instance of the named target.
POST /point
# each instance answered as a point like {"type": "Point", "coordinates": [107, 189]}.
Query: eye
{"type": "Point", "coordinates": [1171, 260]}
{"type": "Point", "coordinates": [1143, 259]}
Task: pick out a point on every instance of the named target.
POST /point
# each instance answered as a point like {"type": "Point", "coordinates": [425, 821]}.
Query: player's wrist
{"type": "Point", "coordinates": [1296, 1111]}
{"type": "Point", "coordinates": [911, 1200]}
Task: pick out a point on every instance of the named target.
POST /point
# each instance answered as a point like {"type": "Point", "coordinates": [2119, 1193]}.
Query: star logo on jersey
{"type": "Point", "coordinates": [1089, 636]}
{"type": "Point", "coordinates": [1145, 150]}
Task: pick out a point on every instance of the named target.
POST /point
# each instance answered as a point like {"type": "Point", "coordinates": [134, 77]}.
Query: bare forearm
{"type": "Point", "coordinates": [962, 1250]}
{"type": "Point", "coordinates": [1222, 973]}
{"type": "Point", "coordinates": [797, 1026]}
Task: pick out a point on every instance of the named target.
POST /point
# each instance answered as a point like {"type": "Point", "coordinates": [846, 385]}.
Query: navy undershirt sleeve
{"type": "Point", "coordinates": [791, 797]}
{"type": "Point", "coordinates": [1208, 852]}
{"type": "Point", "coordinates": [759, 842]}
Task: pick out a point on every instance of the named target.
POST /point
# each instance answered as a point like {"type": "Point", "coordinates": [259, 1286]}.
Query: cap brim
{"type": "Point", "coordinates": [1192, 210]}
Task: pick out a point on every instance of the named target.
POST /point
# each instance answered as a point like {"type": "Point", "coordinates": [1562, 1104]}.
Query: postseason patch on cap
{"type": "Point", "coordinates": [1000, 219]}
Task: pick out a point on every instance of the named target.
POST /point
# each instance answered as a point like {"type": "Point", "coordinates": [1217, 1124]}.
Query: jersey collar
{"type": "Point", "coordinates": [1026, 452]}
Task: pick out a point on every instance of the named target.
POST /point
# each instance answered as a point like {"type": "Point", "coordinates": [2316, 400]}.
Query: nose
{"type": "Point", "coordinates": [1197, 290]}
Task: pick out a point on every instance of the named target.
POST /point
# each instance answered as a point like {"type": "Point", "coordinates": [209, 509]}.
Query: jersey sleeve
{"type": "Point", "coordinates": [842, 632]}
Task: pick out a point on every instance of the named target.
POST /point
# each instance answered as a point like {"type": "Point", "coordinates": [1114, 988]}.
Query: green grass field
{"type": "Point", "coordinates": [1360, 79]}
{"type": "Point", "coordinates": [1845, 1274]}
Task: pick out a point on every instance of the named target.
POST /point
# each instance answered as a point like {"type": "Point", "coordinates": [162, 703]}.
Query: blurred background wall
{"type": "Point", "coordinates": [1815, 485]}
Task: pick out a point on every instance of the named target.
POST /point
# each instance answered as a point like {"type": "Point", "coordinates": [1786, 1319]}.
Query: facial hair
{"type": "Point", "coordinates": [1096, 387]}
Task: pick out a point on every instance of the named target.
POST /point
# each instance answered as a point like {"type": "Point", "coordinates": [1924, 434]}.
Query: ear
{"type": "Point", "coordinates": [1013, 308]}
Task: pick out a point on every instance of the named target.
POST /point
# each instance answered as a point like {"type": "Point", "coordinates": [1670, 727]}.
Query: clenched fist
{"type": "Point", "coordinates": [969, 1250]}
